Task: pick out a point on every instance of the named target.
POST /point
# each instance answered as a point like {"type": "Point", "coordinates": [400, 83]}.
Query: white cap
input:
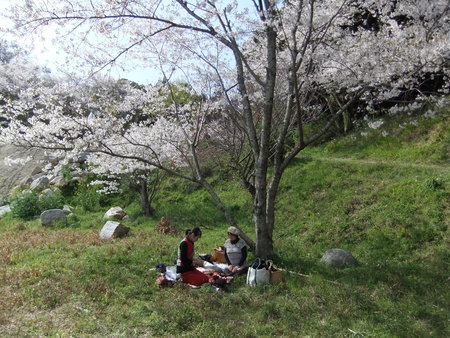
{"type": "Point", "coordinates": [233, 230]}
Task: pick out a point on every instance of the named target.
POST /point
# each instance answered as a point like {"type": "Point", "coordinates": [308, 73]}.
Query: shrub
{"type": "Point", "coordinates": [28, 204]}
{"type": "Point", "coordinates": [86, 197]}
{"type": "Point", "coordinates": [25, 205]}
{"type": "Point", "coordinates": [51, 201]}
{"type": "Point", "coordinates": [89, 199]}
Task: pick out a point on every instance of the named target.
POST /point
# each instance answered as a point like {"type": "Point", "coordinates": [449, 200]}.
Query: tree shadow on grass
{"type": "Point", "coordinates": [407, 298]}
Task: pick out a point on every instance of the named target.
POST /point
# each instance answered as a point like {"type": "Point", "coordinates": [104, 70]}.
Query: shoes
{"type": "Point", "coordinates": [194, 286]}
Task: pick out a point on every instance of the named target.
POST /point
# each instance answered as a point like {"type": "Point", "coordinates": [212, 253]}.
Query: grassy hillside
{"type": "Point", "coordinates": [382, 194]}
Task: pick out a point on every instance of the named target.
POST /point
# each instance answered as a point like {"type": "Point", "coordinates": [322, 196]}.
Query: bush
{"type": "Point", "coordinates": [87, 197]}
{"type": "Point", "coordinates": [51, 201]}
{"type": "Point", "coordinates": [25, 205]}
{"type": "Point", "coordinates": [69, 189]}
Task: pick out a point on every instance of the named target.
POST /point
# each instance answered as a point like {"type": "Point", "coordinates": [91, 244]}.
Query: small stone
{"type": "Point", "coordinates": [113, 230]}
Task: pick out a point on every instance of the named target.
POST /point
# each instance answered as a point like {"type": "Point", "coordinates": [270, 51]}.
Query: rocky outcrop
{"type": "Point", "coordinates": [11, 175]}
{"type": "Point", "coordinates": [35, 172]}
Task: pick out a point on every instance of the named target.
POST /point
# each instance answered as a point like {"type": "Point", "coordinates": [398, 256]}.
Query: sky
{"type": "Point", "coordinates": [46, 54]}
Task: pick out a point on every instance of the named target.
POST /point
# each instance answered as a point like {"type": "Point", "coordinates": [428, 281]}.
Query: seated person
{"type": "Point", "coordinates": [186, 264]}
{"type": "Point", "coordinates": [235, 252]}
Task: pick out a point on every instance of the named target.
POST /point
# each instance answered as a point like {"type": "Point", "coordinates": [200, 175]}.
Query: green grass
{"type": "Point", "coordinates": [415, 139]}
{"type": "Point", "coordinates": [355, 193]}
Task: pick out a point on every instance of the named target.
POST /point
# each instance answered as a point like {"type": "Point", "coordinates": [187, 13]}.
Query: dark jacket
{"type": "Point", "coordinates": [185, 256]}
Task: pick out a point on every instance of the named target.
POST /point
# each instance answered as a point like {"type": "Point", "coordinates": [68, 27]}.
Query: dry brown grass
{"type": "Point", "coordinates": [13, 245]}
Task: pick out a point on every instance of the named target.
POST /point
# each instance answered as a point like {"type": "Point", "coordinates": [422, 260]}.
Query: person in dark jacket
{"type": "Point", "coordinates": [235, 252]}
{"type": "Point", "coordinates": [186, 264]}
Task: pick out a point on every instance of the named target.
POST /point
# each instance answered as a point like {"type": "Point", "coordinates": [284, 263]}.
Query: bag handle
{"type": "Point", "coordinates": [256, 263]}
{"type": "Point", "coordinates": [271, 266]}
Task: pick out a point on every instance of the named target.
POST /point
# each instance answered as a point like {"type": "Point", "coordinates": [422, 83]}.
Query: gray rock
{"type": "Point", "coordinates": [40, 183]}
{"type": "Point", "coordinates": [4, 210]}
{"type": "Point", "coordinates": [47, 193]}
{"type": "Point", "coordinates": [113, 230]}
{"type": "Point", "coordinates": [59, 181]}
{"type": "Point", "coordinates": [67, 209]}
{"type": "Point", "coordinates": [48, 217]}
{"type": "Point", "coordinates": [52, 158]}
{"type": "Point", "coordinates": [37, 170]}
{"type": "Point", "coordinates": [115, 212]}
{"type": "Point", "coordinates": [25, 181]}
{"type": "Point", "coordinates": [338, 258]}
{"type": "Point", "coordinates": [11, 175]}
{"type": "Point", "coordinates": [48, 167]}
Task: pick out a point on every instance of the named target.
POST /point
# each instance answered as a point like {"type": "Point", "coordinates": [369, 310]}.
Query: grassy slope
{"type": "Point", "coordinates": [385, 199]}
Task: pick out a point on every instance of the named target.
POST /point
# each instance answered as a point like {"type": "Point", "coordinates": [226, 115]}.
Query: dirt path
{"type": "Point", "coordinates": [386, 162]}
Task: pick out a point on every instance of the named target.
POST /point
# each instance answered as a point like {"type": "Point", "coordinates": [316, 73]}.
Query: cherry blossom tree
{"type": "Point", "coordinates": [273, 67]}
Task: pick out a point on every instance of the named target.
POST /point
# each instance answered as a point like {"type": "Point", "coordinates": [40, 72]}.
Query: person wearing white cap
{"type": "Point", "coordinates": [235, 252]}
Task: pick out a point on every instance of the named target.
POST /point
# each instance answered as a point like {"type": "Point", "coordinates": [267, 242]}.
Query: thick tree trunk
{"type": "Point", "coordinates": [263, 247]}
{"type": "Point", "coordinates": [146, 208]}
{"type": "Point", "coordinates": [264, 243]}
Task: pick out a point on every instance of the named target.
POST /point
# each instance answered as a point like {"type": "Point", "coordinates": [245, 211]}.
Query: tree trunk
{"type": "Point", "coordinates": [264, 244]}
{"type": "Point", "coordinates": [146, 208]}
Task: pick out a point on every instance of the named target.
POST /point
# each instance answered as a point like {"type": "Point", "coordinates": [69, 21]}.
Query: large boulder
{"type": "Point", "coordinates": [48, 217]}
{"type": "Point", "coordinates": [40, 183]}
{"type": "Point", "coordinates": [4, 210]}
{"type": "Point", "coordinates": [113, 230]}
{"type": "Point", "coordinates": [115, 212]}
{"type": "Point", "coordinates": [338, 258]}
